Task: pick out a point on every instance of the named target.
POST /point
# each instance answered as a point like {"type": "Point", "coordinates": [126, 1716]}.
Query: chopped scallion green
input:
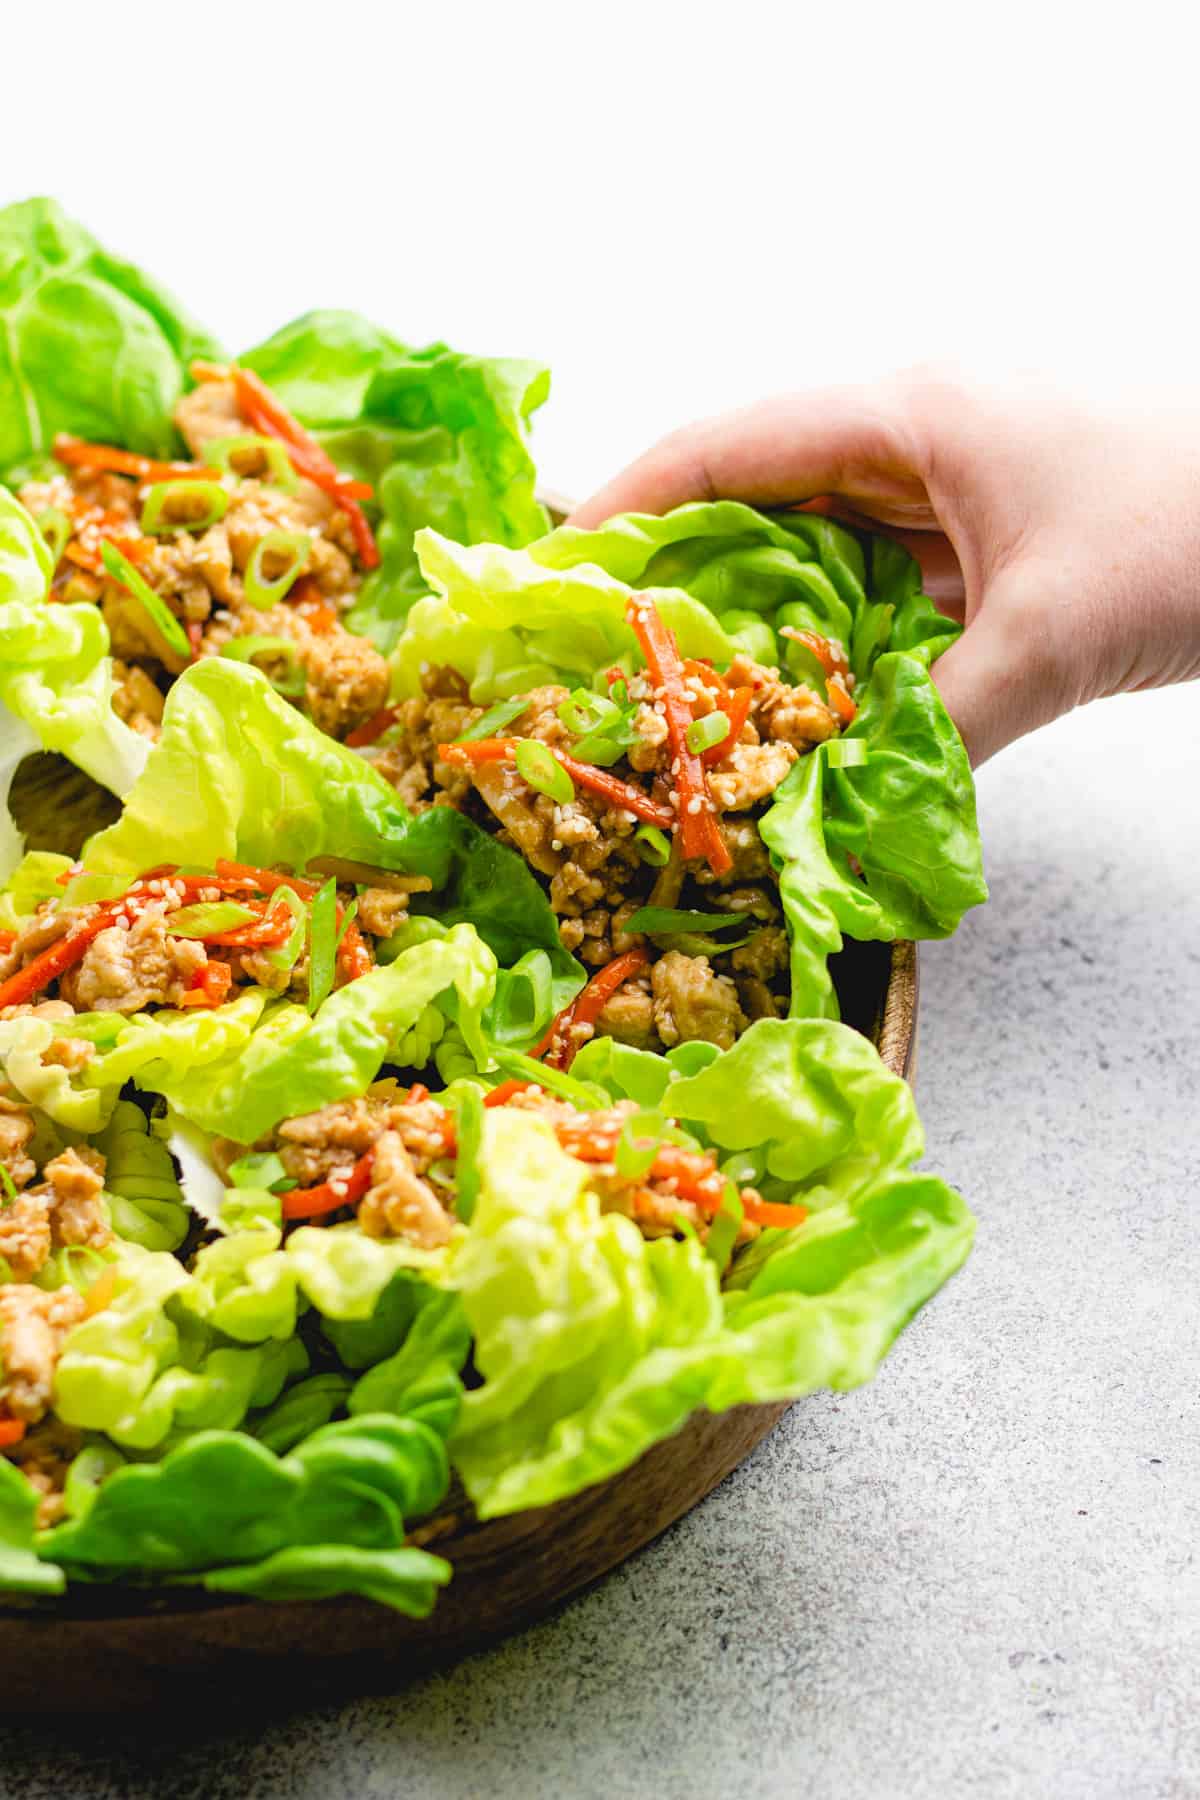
{"type": "Point", "coordinates": [663, 921]}
{"type": "Point", "coordinates": [722, 1233]}
{"type": "Point", "coordinates": [845, 753]}
{"type": "Point", "coordinates": [495, 719]}
{"type": "Point", "coordinates": [287, 954]}
{"type": "Point", "coordinates": [655, 845]}
{"type": "Point", "coordinates": [703, 733]}
{"type": "Point", "coordinates": [9, 1187]}
{"type": "Point", "coordinates": [260, 1169]}
{"type": "Point", "coordinates": [322, 944]}
{"type": "Point", "coordinates": [285, 552]}
{"type": "Point", "coordinates": [208, 918]}
{"type": "Point", "coordinates": [293, 682]}
{"type": "Point", "coordinates": [56, 528]}
{"type": "Point", "coordinates": [251, 457]}
{"type": "Point", "coordinates": [538, 765]}
{"type": "Point", "coordinates": [638, 1145]}
{"type": "Point", "coordinates": [162, 618]}
{"type": "Point", "coordinates": [184, 506]}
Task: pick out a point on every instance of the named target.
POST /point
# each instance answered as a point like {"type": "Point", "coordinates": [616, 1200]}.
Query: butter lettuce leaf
{"type": "Point", "coordinates": [294, 1062]}
{"type": "Point", "coordinates": [594, 1344]}
{"type": "Point", "coordinates": [91, 344]}
{"type": "Point", "coordinates": [441, 436]}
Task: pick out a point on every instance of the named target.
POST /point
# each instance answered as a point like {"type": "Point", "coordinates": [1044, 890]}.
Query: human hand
{"type": "Point", "coordinates": [1066, 539]}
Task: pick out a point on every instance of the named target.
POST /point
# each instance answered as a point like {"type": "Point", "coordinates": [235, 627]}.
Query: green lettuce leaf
{"type": "Point", "coordinates": [34, 879]}
{"type": "Point", "coordinates": [55, 676]}
{"type": "Point", "coordinates": [407, 1580]}
{"type": "Point", "coordinates": [239, 773]}
{"type": "Point", "coordinates": [441, 436]}
{"type": "Point", "coordinates": [90, 345]}
{"type": "Point", "coordinates": [22, 1570]}
{"type": "Point", "coordinates": [594, 1345]}
{"type": "Point", "coordinates": [294, 1063]}
{"type": "Point", "coordinates": [507, 621]}
{"type": "Point", "coordinates": [145, 1202]}
{"type": "Point", "coordinates": [350, 1485]}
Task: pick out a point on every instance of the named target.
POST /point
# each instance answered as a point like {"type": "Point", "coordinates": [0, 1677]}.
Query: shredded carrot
{"type": "Point", "coordinates": [416, 1093]}
{"type": "Point", "coordinates": [763, 1212]}
{"type": "Point", "coordinates": [265, 880]}
{"type": "Point", "coordinates": [265, 414]}
{"type": "Point", "coordinates": [704, 671]}
{"type": "Point", "coordinates": [312, 1202]}
{"type": "Point", "coordinates": [372, 728]}
{"type": "Point", "coordinates": [558, 1046]}
{"type": "Point", "coordinates": [7, 940]}
{"type": "Point", "coordinates": [831, 656]}
{"type": "Point", "coordinates": [76, 453]}
{"type": "Point", "coordinates": [500, 1096]}
{"type": "Point", "coordinates": [262, 933]}
{"type": "Point", "coordinates": [840, 703]}
{"type": "Point", "coordinates": [54, 961]}
{"type": "Point", "coordinates": [11, 1432]}
{"type": "Point", "coordinates": [737, 711]}
{"type": "Point", "coordinates": [618, 793]}
{"type": "Point", "coordinates": [211, 985]}
{"type": "Point", "coordinates": [699, 834]}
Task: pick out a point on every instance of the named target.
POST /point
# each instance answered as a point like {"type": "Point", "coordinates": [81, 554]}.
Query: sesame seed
{"type": "Point", "coordinates": [673, 798]}
{"type": "Point", "coordinates": [694, 805]}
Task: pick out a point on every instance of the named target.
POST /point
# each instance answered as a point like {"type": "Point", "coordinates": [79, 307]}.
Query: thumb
{"type": "Point", "coordinates": [1000, 680]}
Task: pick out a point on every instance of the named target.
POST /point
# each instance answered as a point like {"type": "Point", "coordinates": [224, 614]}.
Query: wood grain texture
{"type": "Point", "coordinates": [121, 1647]}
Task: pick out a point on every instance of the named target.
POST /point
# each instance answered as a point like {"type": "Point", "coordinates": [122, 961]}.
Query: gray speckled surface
{"type": "Point", "coordinates": [978, 1576]}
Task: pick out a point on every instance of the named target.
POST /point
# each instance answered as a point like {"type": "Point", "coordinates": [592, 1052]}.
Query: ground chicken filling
{"type": "Point", "coordinates": [185, 941]}
{"type": "Point", "coordinates": [277, 529]}
{"type": "Point", "coordinates": [50, 1203]}
{"type": "Point", "coordinates": [389, 1157]}
{"type": "Point", "coordinates": [601, 862]}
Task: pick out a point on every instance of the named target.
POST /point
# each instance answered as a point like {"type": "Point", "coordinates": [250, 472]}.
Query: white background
{"type": "Point", "coordinates": [678, 207]}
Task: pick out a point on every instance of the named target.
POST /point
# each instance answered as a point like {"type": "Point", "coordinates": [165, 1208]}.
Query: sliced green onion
{"type": "Point", "coordinates": [846, 753]}
{"type": "Point", "coordinates": [722, 1233]}
{"type": "Point", "coordinates": [538, 765]}
{"type": "Point", "coordinates": [469, 1132]}
{"type": "Point", "coordinates": [288, 552]}
{"type": "Point", "coordinates": [56, 528]}
{"type": "Point", "coordinates": [267, 458]}
{"type": "Point", "coordinates": [745, 1168]}
{"type": "Point", "coordinates": [184, 506]}
{"type": "Point", "coordinates": [344, 927]}
{"type": "Point", "coordinates": [260, 1169]}
{"type": "Point", "coordinates": [87, 1258]}
{"type": "Point", "coordinates": [695, 943]}
{"type": "Point", "coordinates": [293, 683]}
{"type": "Point", "coordinates": [9, 1187]}
{"type": "Point", "coordinates": [600, 750]}
{"type": "Point", "coordinates": [523, 1003]}
{"type": "Point", "coordinates": [162, 618]}
{"type": "Point", "coordinates": [582, 711]}
{"type": "Point", "coordinates": [638, 1145]}
{"type": "Point", "coordinates": [703, 733]}
{"type": "Point", "coordinates": [208, 918]}
{"type": "Point", "coordinates": [655, 845]}
{"type": "Point", "coordinates": [662, 921]}
{"type": "Point", "coordinates": [495, 719]}
{"type": "Point", "coordinates": [287, 954]}
{"type": "Point", "coordinates": [322, 944]}
{"type": "Point", "coordinates": [586, 1095]}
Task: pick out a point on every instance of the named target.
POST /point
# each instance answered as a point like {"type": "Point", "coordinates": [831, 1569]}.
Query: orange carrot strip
{"type": "Point", "coordinates": [737, 711]}
{"type": "Point", "coordinates": [265, 414]}
{"type": "Point", "coordinates": [499, 1096]}
{"type": "Point", "coordinates": [831, 657]}
{"type": "Point", "coordinates": [610, 787]}
{"type": "Point", "coordinates": [11, 1432]}
{"type": "Point", "coordinates": [372, 728]}
{"type": "Point", "coordinates": [556, 1046]}
{"type": "Point", "coordinates": [697, 824]}
{"type": "Point", "coordinates": [311, 1202]}
{"type": "Point", "coordinates": [211, 985]}
{"type": "Point", "coordinates": [77, 453]}
{"type": "Point", "coordinates": [840, 702]}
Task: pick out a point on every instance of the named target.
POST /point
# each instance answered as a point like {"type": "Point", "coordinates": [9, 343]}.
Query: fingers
{"type": "Point", "coordinates": [848, 440]}
{"type": "Point", "coordinates": [1000, 680]}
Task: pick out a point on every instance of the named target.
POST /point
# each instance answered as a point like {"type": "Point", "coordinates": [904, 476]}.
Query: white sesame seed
{"type": "Point", "coordinates": [694, 805]}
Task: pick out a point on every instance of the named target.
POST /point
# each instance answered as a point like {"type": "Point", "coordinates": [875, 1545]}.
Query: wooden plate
{"type": "Point", "coordinates": [119, 1646]}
